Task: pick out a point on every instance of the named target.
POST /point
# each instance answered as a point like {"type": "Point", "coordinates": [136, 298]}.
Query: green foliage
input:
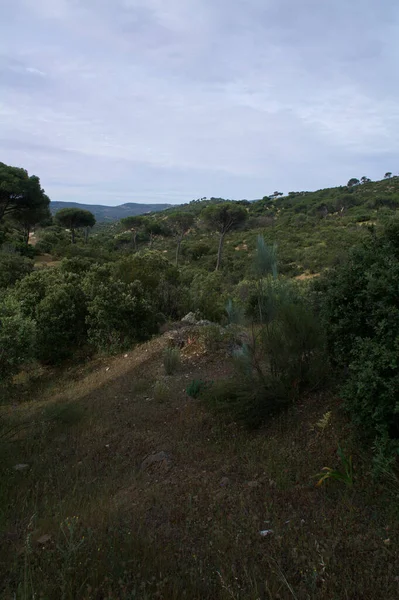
{"type": "Point", "coordinates": [17, 338]}
{"type": "Point", "coordinates": [118, 313]}
{"type": "Point", "coordinates": [21, 197]}
{"type": "Point", "coordinates": [50, 238]}
{"type": "Point", "coordinates": [223, 217]}
{"type": "Point", "coordinates": [58, 306]}
{"type": "Point", "coordinates": [286, 353]}
{"type": "Point", "coordinates": [171, 360]}
{"type": "Point", "coordinates": [196, 387]}
{"type": "Point", "coordinates": [161, 391]}
{"type": "Point", "coordinates": [207, 295]}
{"type": "Point", "coordinates": [13, 267]}
{"type": "Point", "coordinates": [75, 218]}
{"type": "Point", "coordinates": [345, 476]}
{"type": "Point", "coordinates": [360, 307]}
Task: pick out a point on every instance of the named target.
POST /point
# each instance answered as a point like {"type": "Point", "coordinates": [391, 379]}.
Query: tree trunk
{"type": "Point", "coordinates": [178, 251]}
{"type": "Point", "coordinates": [135, 240]}
{"type": "Point", "coordinates": [86, 234]}
{"type": "Point", "coordinates": [219, 260]}
{"type": "Point", "coordinates": [72, 236]}
{"type": "Point", "coordinates": [26, 234]}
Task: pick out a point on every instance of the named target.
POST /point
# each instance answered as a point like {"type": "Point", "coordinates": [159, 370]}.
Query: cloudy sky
{"type": "Point", "coordinates": [111, 101]}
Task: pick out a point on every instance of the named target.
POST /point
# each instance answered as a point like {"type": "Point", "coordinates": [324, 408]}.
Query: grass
{"type": "Point", "coordinates": [86, 522]}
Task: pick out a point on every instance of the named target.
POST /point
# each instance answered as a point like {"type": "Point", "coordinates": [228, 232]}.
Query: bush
{"type": "Point", "coordinates": [359, 303]}
{"type": "Point", "coordinates": [13, 267]}
{"type": "Point", "coordinates": [285, 356]}
{"type": "Point", "coordinates": [118, 313]}
{"type": "Point", "coordinates": [57, 304]}
{"type": "Point", "coordinates": [171, 360]}
{"type": "Point", "coordinates": [61, 324]}
{"type": "Point", "coordinates": [17, 338]}
{"type": "Point", "coordinates": [207, 296]}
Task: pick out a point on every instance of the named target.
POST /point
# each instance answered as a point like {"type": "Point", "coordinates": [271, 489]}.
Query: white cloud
{"type": "Point", "coordinates": [154, 99]}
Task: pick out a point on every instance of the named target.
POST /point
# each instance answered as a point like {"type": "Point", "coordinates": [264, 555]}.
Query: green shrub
{"type": "Point", "coordinates": [196, 388]}
{"type": "Point", "coordinates": [17, 338]}
{"type": "Point", "coordinates": [171, 360]}
{"type": "Point", "coordinates": [285, 355]}
{"type": "Point", "coordinates": [57, 304]}
{"type": "Point", "coordinates": [208, 296]}
{"type": "Point", "coordinates": [118, 314]}
{"type": "Point", "coordinates": [161, 391]}
{"type": "Point", "coordinates": [13, 267]}
{"type": "Point", "coordinates": [359, 303]}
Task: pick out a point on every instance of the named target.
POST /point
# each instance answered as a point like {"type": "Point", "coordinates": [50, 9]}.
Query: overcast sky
{"type": "Point", "coordinates": [111, 101]}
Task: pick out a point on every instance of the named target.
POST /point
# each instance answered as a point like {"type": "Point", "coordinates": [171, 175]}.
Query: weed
{"type": "Point", "coordinates": [196, 387]}
{"type": "Point", "coordinates": [171, 360]}
{"type": "Point", "coordinates": [161, 391]}
{"type": "Point", "coordinates": [345, 477]}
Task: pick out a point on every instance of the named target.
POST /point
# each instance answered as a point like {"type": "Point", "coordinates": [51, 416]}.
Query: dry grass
{"type": "Point", "coordinates": [189, 528]}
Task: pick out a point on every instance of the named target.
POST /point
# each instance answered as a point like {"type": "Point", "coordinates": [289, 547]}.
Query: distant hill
{"type": "Point", "coordinates": [111, 213]}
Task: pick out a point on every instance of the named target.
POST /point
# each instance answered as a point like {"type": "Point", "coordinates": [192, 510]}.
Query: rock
{"type": "Point", "coordinates": [159, 458]}
{"type": "Point", "coordinates": [21, 467]}
{"type": "Point", "coordinates": [205, 323]}
{"type": "Point", "coordinates": [224, 482]}
{"type": "Point", "coordinates": [190, 319]}
{"type": "Point", "coordinates": [253, 484]}
{"type": "Point", "coordinates": [44, 539]}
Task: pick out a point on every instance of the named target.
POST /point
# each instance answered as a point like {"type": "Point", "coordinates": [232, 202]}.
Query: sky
{"type": "Point", "coordinates": [113, 101]}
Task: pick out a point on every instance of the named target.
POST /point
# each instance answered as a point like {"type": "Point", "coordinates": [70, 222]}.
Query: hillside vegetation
{"type": "Point", "coordinates": [200, 402]}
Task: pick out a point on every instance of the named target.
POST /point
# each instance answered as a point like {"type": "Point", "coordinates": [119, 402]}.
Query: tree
{"type": "Point", "coordinates": [223, 218]}
{"type": "Point", "coordinates": [75, 218]}
{"type": "Point", "coordinates": [134, 223]}
{"type": "Point", "coordinates": [365, 179]}
{"type": "Point", "coordinates": [180, 223]}
{"type": "Point", "coordinates": [388, 175]}
{"type": "Point", "coordinates": [352, 182]}
{"type": "Point", "coordinates": [152, 229]}
{"type": "Point", "coordinates": [21, 196]}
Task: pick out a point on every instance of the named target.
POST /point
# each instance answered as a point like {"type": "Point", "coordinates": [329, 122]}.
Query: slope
{"type": "Point", "coordinates": [134, 490]}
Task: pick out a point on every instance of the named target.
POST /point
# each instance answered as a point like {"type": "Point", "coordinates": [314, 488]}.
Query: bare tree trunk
{"type": "Point", "coordinates": [135, 240]}
{"type": "Point", "coordinates": [178, 251]}
{"type": "Point", "coordinates": [72, 236]}
{"type": "Point", "coordinates": [219, 260]}
{"type": "Point", "coordinates": [86, 235]}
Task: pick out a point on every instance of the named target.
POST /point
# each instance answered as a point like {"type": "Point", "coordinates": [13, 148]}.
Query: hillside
{"type": "Point", "coordinates": [110, 213]}
{"type": "Point", "coordinates": [131, 484]}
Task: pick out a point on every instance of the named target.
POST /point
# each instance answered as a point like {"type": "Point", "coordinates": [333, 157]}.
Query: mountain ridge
{"type": "Point", "coordinates": [104, 213]}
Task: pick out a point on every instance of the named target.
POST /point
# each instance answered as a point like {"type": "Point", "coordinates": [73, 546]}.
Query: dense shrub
{"type": "Point", "coordinates": [359, 302]}
{"type": "Point", "coordinates": [208, 296]}
{"type": "Point", "coordinates": [17, 338]}
{"type": "Point", "coordinates": [13, 267]}
{"type": "Point", "coordinates": [285, 355]}
{"type": "Point", "coordinates": [56, 302]}
{"type": "Point", "coordinates": [119, 314]}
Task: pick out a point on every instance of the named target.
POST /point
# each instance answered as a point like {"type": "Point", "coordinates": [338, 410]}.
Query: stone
{"type": "Point", "coordinates": [158, 458]}
{"type": "Point", "coordinates": [224, 482]}
{"type": "Point", "coordinates": [205, 323]}
{"type": "Point", "coordinates": [20, 467]}
{"type": "Point", "coordinates": [44, 539]}
{"type": "Point", "coordinates": [190, 319]}
{"type": "Point", "coordinates": [253, 484]}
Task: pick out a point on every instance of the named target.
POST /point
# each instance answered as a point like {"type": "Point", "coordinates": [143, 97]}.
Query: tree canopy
{"type": "Point", "coordinates": [21, 197]}
{"type": "Point", "coordinates": [179, 224]}
{"type": "Point", "coordinates": [222, 218]}
{"type": "Point", "coordinates": [75, 218]}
